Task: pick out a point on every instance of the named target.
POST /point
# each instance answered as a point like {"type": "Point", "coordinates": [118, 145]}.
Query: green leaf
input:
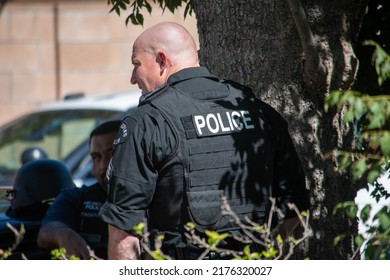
{"type": "Point", "coordinates": [117, 10]}
{"type": "Point", "coordinates": [123, 6]}
{"type": "Point", "coordinates": [358, 168]}
{"type": "Point", "coordinates": [259, 228]}
{"type": "Point", "coordinates": [352, 211]}
{"type": "Point", "coordinates": [337, 240]}
{"type": "Point", "coordinates": [384, 218]}
{"type": "Point", "coordinates": [349, 115]}
{"type": "Point", "coordinates": [279, 239]}
{"type": "Point", "coordinates": [139, 228]}
{"type": "Point", "coordinates": [133, 19]}
{"type": "Point", "coordinates": [373, 175]}
{"type": "Point", "coordinates": [345, 161]}
{"type": "Point", "coordinates": [381, 61]}
{"type": "Point", "coordinates": [127, 20]}
{"type": "Point", "coordinates": [157, 255]}
{"type": "Point", "coordinates": [384, 143]}
{"type": "Point", "coordinates": [359, 240]}
{"type": "Point", "coordinates": [348, 97]}
{"type": "Point", "coordinates": [332, 99]}
{"type": "Point", "coordinates": [247, 250]}
{"type": "Point", "coordinates": [365, 213]}
{"type": "Point", "coordinates": [376, 121]}
{"type": "Point", "coordinates": [188, 9]}
{"type": "Point", "coordinates": [148, 7]}
{"type": "Point", "coordinates": [370, 251]}
{"type": "Point", "coordinates": [359, 107]}
{"type": "Point", "coordinates": [112, 9]}
{"type": "Point", "coordinates": [379, 191]}
{"type": "Point", "coordinates": [214, 237]}
{"type": "Point", "coordinates": [190, 225]}
{"type": "Point", "coordinates": [140, 18]}
{"type": "Point", "coordinates": [344, 206]}
{"type": "Point", "coordinates": [292, 240]}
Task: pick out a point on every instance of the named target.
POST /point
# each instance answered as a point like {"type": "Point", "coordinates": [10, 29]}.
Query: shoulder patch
{"type": "Point", "coordinates": [122, 136]}
{"type": "Point", "coordinates": [108, 177]}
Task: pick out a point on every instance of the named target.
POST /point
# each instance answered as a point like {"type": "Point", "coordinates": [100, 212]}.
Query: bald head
{"type": "Point", "coordinates": [159, 52]}
{"type": "Point", "coordinates": [174, 40]}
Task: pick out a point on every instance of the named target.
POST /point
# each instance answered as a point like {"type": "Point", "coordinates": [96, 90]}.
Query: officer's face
{"type": "Point", "coordinates": [147, 72]}
{"type": "Point", "coordinates": [101, 151]}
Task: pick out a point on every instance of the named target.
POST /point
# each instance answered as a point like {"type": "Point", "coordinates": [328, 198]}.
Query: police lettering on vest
{"type": "Point", "coordinates": [223, 122]}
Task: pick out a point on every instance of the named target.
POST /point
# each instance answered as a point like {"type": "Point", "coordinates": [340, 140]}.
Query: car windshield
{"type": "Point", "coordinates": [58, 133]}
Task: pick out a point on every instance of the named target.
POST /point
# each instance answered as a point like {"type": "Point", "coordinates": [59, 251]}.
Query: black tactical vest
{"type": "Point", "coordinates": [225, 148]}
{"type": "Point", "coordinates": [92, 229]}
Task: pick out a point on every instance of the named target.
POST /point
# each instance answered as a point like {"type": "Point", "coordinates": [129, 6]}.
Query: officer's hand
{"type": "Point", "coordinates": [74, 244]}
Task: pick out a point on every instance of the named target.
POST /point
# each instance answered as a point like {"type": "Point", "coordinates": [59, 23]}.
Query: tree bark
{"type": "Point", "coordinates": [257, 43]}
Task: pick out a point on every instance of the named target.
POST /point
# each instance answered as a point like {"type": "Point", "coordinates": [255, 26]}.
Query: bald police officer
{"type": "Point", "coordinates": [193, 139]}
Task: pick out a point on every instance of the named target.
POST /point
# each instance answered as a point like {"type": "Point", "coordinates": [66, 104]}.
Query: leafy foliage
{"type": "Point", "coordinates": [60, 254]}
{"type": "Point", "coordinates": [137, 6]}
{"type": "Point", "coordinates": [259, 241]}
{"type": "Point", "coordinates": [19, 235]}
{"type": "Point", "coordinates": [370, 114]}
{"type": "Point", "coordinates": [381, 60]}
{"type": "Point", "coordinates": [371, 158]}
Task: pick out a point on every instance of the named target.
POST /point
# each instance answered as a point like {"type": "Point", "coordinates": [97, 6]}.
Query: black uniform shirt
{"type": "Point", "coordinates": [78, 208]}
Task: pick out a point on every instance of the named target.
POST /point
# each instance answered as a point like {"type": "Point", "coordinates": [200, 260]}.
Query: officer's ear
{"type": "Point", "coordinates": [162, 60]}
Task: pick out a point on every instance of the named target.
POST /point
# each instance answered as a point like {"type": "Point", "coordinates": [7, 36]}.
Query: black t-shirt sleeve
{"type": "Point", "coordinates": [143, 142]}
{"type": "Point", "coordinates": [66, 208]}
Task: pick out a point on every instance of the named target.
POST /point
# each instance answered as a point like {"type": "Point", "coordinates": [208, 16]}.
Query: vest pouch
{"type": "Point", "coordinates": [205, 208]}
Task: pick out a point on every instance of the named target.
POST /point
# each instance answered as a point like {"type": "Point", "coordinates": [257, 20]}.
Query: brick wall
{"type": "Point", "coordinates": [48, 50]}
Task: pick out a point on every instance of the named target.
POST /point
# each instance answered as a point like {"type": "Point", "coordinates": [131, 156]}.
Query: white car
{"type": "Point", "coordinates": [62, 130]}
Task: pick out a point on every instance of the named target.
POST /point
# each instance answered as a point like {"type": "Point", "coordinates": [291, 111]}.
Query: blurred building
{"type": "Point", "coordinates": [50, 48]}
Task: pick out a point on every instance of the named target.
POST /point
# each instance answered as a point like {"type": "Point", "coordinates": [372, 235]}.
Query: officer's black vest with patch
{"type": "Point", "coordinates": [225, 148]}
{"type": "Point", "coordinates": [92, 229]}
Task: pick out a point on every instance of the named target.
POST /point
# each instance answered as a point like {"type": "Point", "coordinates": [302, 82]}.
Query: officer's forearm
{"type": "Point", "coordinates": [50, 234]}
{"type": "Point", "coordinates": [122, 245]}
{"type": "Point", "coordinates": [58, 235]}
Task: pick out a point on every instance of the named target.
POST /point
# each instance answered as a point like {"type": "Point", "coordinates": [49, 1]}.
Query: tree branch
{"type": "Point", "coordinates": [314, 68]}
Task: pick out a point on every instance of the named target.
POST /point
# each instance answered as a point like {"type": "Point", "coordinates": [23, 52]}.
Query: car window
{"type": "Point", "coordinates": [57, 132]}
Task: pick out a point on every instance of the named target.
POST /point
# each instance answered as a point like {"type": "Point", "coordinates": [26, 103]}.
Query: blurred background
{"type": "Point", "coordinates": [51, 48]}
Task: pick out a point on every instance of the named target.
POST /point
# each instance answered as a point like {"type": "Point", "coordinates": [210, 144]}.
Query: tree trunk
{"type": "Point", "coordinates": [257, 43]}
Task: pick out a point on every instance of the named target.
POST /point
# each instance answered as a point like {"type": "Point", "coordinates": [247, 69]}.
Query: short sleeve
{"type": "Point", "coordinates": [133, 170]}
{"type": "Point", "coordinates": [66, 208]}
